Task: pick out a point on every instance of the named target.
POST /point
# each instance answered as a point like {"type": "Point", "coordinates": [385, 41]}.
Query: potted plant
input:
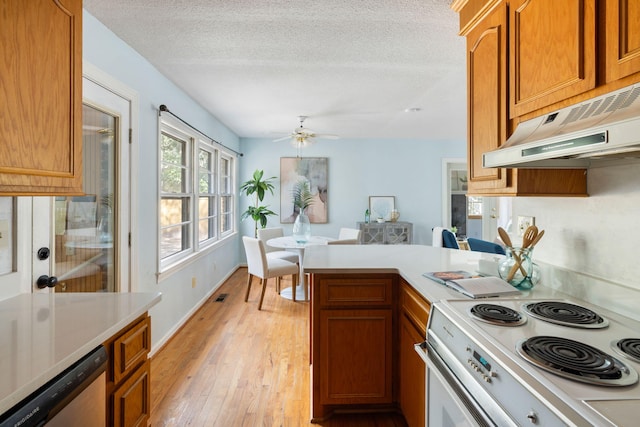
{"type": "Point", "coordinates": [258, 186]}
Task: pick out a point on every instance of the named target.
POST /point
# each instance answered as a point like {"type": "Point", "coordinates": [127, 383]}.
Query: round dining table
{"type": "Point", "coordinates": [288, 243]}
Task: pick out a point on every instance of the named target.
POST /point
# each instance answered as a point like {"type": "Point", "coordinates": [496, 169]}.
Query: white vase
{"type": "Point", "coordinates": [302, 228]}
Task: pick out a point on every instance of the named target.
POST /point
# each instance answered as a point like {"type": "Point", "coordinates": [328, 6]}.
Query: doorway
{"type": "Point", "coordinates": [454, 200]}
{"type": "Point", "coordinates": [472, 216]}
{"type": "Point", "coordinates": [89, 235]}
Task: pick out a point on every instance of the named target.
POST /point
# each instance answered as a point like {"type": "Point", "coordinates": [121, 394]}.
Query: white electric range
{"type": "Point", "coordinates": [505, 365]}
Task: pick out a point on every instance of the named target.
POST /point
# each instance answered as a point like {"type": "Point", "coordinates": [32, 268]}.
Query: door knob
{"type": "Point", "coordinates": [46, 281]}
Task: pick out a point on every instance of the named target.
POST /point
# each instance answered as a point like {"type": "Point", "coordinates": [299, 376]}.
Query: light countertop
{"type": "Point", "coordinates": [43, 334]}
{"type": "Point", "coordinates": [409, 261]}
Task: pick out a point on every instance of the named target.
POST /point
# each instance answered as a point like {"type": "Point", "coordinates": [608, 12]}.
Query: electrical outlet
{"type": "Point", "coordinates": [524, 222]}
{"type": "Point", "coordinates": [193, 282]}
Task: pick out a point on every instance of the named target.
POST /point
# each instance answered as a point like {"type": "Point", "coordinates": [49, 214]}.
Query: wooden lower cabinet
{"type": "Point", "coordinates": [356, 357]}
{"type": "Point", "coordinates": [414, 312]}
{"type": "Point", "coordinates": [363, 329]}
{"type": "Point", "coordinates": [352, 342]}
{"type": "Point", "coordinates": [128, 375]}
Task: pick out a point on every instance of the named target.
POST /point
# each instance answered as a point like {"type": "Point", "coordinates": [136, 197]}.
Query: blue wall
{"type": "Point", "coordinates": [410, 170]}
{"type": "Point", "coordinates": [109, 53]}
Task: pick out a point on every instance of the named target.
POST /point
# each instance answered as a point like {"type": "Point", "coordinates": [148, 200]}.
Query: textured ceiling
{"type": "Point", "coordinates": [352, 66]}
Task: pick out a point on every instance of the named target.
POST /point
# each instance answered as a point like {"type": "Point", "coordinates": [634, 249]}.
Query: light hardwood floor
{"type": "Point", "coordinates": [232, 365]}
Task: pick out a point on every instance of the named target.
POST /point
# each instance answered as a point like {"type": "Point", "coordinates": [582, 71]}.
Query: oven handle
{"type": "Point", "coordinates": [421, 349]}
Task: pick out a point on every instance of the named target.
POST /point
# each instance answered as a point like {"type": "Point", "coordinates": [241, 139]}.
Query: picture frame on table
{"type": "Point", "coordinates": [381, 207]}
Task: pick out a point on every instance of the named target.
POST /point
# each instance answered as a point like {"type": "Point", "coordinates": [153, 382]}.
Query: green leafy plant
{"type": "Point", "coordinates": [302, 196]}
{"type": "Point", "coordinates": [258, 187]}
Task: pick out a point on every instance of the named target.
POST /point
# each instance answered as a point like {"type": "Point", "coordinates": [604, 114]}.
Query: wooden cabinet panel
{"type": "Point", "coordinates": [552, 52]}
{"type": "Point", "coordinates": [361, 290]}
{"type": "Point", "coordinates": [353, 336]}
{"type": "Point", "coordinates": [414, 307]}
{"type": "Point", "coordinates": [130, 350]}
{"type": "Point", "coordinates": [412, 375]}
{"type": "Point", "coordinates": [128, 378]}
{"type": "Point", "coordinates": [356, 356]}
{"type": "Point", "coordinates": [41, 81]}
{"type": "Point", "coordinates": [487, 97]}
{"type": "Point", "coordinates": [622, 34]}
{"type": "Point", "coordinates": [414, 314]}
{"type": "Point", "coordinates": [131, 401]}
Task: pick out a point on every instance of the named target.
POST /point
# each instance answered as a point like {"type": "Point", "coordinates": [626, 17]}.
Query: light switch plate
{"type": "Point", "coordinates": [524, 222]}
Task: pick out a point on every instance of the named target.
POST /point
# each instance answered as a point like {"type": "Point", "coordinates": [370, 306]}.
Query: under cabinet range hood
{"type": "Point", "coordinates": [604, 127]}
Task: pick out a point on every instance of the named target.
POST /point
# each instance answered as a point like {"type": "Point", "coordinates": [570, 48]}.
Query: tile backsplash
{"type": "Point", "coordinates": [591, 243]}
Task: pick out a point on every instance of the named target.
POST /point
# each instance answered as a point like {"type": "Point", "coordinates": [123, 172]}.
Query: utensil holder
{"type": "Point", "coordinates": [517, 268]}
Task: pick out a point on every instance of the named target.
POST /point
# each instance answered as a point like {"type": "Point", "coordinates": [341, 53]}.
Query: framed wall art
{"type": "Point", "coordinates": [381, 207]}
{"type": "Point", "coordinates": [296, 170]}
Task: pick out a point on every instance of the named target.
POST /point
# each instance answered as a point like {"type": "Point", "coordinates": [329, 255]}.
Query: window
{"type": "Point", "coordinates": [196, 193]}
{"type": "Point", "coordinates": [474, 207]}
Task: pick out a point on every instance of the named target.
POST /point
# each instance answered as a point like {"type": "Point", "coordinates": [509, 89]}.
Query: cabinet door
{"type": "Point", "coordinates": [355, 356]}
{"type": "Point", "coordinates": [372, 234]}
{"type": "Point", "coordinates": [41, 81]}
{"type": "Point", "coordinates": [622, 38]}
{"type": "Point", "coordinates": [487, 97]}
{"type": "Point", "coordinates": [398, 234]}
{"type": "Point", "coordinates": [412, 375]}
{"type": "Point", "coordinates": [552, 52]}
{"type": "Point", "coordinates": [132, 400]}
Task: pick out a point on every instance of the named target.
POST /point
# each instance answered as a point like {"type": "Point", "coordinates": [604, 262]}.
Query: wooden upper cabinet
{"type": "Point", "coordinates": [552, 53]}
{"type": "Point", "coordinates": [41, 92]}
{"type": "Point", "coordinates": [487, 97]}
{"type": "Point", "coordinates": [622, 34]}
{"type": "Point", "coordinates": [485, 25]}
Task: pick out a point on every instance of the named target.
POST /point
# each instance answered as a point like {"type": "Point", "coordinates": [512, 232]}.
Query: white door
{"type": "Point", "coordinates": [88, 236]}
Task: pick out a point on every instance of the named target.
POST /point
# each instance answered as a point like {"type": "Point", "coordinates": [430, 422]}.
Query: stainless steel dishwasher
{"type": "Point", "coordinates": [76, 397]}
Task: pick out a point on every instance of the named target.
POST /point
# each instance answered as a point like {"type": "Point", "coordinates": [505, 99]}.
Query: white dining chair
{"type": "Point", "coordinates": [265, 234]}
{"type": "Point", "coordinates": [349, 234]}
{"type": "Point", "coordinates": [343, 242]}
{"type": "Point", "coordinates": [259, 266]}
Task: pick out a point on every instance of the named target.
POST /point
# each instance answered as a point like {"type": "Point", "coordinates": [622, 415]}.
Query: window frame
{"type": "Point", "coordinates": [196, 143]}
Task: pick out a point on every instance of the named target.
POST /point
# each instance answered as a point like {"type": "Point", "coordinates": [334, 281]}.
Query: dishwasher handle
{"type": "Point", "coordinates": [421, 349]}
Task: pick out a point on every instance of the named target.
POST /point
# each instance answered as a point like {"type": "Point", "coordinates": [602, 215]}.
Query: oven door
{"type": "Point", "coordinates": [444, 407]}
{"type": "Point", "coordinates": [450, 403]}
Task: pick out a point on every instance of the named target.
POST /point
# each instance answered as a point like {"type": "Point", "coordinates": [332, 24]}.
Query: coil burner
{"type": "Point", "coordinates": [566, 314]}
{"type": "Point", "coordinates": [628, 347]}
{"type": "Point", "coordinates": [497, 315]}
{"type": "Point", "coordinates": [576, 360]}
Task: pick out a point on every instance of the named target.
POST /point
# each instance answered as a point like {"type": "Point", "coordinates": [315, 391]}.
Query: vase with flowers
{"type": "Point", "coordinates": [302, 199]}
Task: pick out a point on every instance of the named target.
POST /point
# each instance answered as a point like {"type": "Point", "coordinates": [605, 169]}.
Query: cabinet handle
{"type": "Point", "coordinates": [421, 349]}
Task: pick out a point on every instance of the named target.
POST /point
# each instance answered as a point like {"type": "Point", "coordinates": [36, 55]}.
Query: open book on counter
{"type": "Point", "coordinates": [473, 286]}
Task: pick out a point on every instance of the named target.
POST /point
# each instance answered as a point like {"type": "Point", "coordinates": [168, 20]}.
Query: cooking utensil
{"type": "Point", "coordinates": [529, 236]}
{"type": "Point", "coordinates": [504, 236]}
{"type": "Point", "coordinates": [507, 241]}
{"type": "Point", "coordinates": [537, 239]}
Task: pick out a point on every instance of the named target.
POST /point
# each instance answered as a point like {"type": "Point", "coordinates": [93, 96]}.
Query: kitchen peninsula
{"type": "Point", "coordinates": [369, 306]}
{"type": "Point", "coordinates": [44, 334]}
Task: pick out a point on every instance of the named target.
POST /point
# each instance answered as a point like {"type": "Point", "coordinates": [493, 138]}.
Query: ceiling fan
{"type": "Point", "coordinates": [303, 137]}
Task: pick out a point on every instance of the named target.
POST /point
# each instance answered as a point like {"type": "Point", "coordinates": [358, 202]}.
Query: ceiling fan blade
{"type": "Point", "coordinates": [327, 136]}
{"type": "Point", "coordinates": [284, 138]}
